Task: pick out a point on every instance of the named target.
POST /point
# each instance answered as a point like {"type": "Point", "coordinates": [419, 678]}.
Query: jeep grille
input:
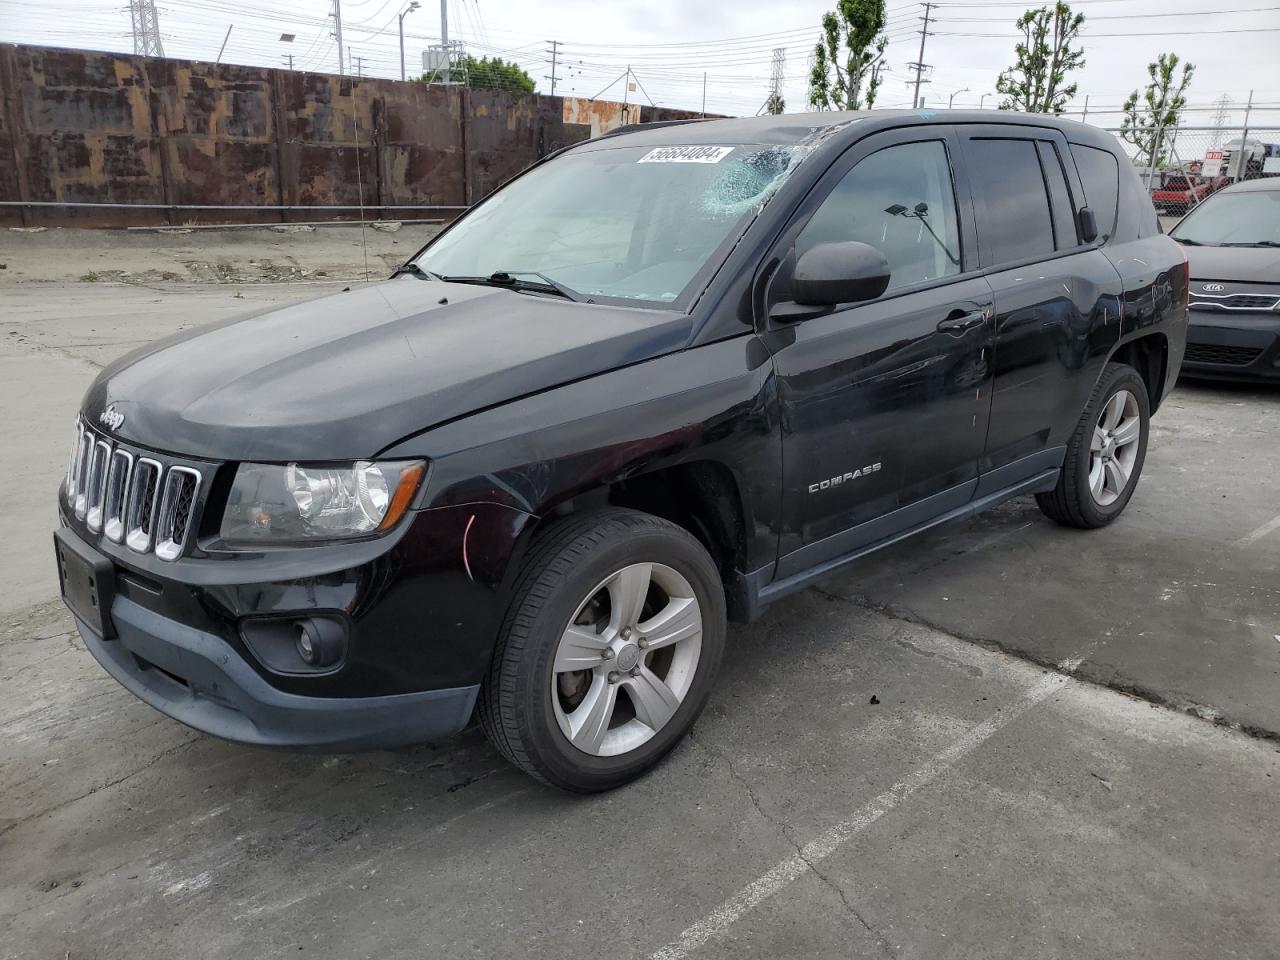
{"type": "Point", "coordinates": [130, 496]}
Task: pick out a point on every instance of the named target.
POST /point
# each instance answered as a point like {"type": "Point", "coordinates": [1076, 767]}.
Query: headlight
{"type": "Point", "coordinates": [318, 501]}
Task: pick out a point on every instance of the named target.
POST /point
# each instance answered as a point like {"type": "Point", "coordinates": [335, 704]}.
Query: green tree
{"type": "Point", "coordinates": [849, 57]}
{"type": "Point", "coordinates": [485, 73]}
{"type": "Point", "coordinates": [1150, 116]}
{"type": "Point", "coordinates": [1036, 83]}
{"type": "Point", "coordinates": [775, 104]}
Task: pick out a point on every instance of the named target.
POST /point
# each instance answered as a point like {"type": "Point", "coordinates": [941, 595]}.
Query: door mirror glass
{"type": "Point", "coordinates": [1088, 225]}
{"type": "Point", "coordinates": [833, 273]}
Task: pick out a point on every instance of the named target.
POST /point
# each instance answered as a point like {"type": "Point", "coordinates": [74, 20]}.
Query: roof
{"type": "Point", "coordinates": [805, 128]}
{"type": "Point", "coordinates": [1253, 186]}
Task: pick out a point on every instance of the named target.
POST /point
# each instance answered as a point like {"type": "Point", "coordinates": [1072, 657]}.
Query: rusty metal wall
{"type": "Point", "coordinates": [79, 126]}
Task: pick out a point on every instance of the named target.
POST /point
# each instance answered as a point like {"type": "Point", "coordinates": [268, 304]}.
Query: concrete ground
{"type": "Point", "coordinates": [874, 776]}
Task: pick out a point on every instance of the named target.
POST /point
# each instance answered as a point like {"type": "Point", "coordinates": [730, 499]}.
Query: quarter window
{"type": "Point", "coordinates": [1100, 176]}
{"type": "Point", "coordinates": [1017, 224]}
{"type": "Point", "coordinates": [900, 201]}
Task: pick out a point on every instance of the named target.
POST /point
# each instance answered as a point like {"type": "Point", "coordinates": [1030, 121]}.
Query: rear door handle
{"type": "Point", "coordinates": [959, 322]}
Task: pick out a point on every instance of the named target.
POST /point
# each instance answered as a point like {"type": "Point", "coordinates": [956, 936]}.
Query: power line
{"type": "Point", "coordinates": [1105, 36]}
{"type": "Point", "coordinates": [1114, 16]}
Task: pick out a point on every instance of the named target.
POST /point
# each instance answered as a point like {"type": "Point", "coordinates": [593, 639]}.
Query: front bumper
{"type": "Point", "coordinates": [200, 680]}
{"type": "Point", "coordinates": [1233, 346]}
{"type": "Point", "coordinates": [420, 608]}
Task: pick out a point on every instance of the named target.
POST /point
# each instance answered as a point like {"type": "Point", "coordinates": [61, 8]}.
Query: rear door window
{"type": "Point", "coordinates": [1100, 176]}
{"type": "Point", "coordinates": [1016, 223]}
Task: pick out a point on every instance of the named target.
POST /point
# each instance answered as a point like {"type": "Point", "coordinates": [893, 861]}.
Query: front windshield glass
{"type": "Point", "coordinates": [1247, 218]}
{"type": "Point", "coordinates": [637, 223]}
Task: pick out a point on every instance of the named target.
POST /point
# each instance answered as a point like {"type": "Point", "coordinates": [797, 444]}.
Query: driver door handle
{"type": "Point", "coordinates": [958, 322]}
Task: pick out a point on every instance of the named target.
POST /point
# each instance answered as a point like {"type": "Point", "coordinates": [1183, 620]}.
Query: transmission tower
{"type": "Point", "coordinates": [775, 104]}
{"type": "Point", "coordinates": [146, 28]}
{"type": "Point", "coordinates": [1223, 104]}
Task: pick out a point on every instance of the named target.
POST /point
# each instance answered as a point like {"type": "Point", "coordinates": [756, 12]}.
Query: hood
{"type": "Point", "coordinates": [345, 376]}
{"type": "Point", "coordinates": [1234, 264]}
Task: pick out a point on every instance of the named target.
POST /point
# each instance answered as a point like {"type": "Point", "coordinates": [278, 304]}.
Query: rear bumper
{"type": "Point", "coordinates": [1240, 346]}
{"type": "Point", "coordinates": [198, 679]}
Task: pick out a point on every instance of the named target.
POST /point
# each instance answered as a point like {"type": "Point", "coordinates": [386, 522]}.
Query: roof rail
{"type": "Point", "coordinates": [629, 127]}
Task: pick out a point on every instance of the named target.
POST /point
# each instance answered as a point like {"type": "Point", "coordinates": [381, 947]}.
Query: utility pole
{"type": "Point", "coordinates": [289, 57]}
{"type": "Point", "coordinates": [413, 5]}
{"type": "Point", "coordinates": [444, 41]}
{"type": "Point", "coordinates": [337, 33]}
{"type": "Point", "coordinates": [224, 43]}
{"type": "Point", "coordinates": [704, 93]}
{"type": "Point", "coordinates": [1085, 117]}
{"type": "Point", "coordinates": [146, 28]}
{"type": "Point", "coordinates": [358, 61]}
{"type": "Point", "coordinates": [1242, 164]}
{"type": "Point", "coordinates": [555, 51]}
{"type": "Point", "coordinates": [919, 66]}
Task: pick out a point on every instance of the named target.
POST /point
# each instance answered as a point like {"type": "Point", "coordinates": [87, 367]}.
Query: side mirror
{"type": "Point", "coordinates": [833, 273]}
{"type": "Point", "coordinates": [1088, 224]}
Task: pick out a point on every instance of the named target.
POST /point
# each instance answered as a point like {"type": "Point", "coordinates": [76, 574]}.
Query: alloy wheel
{"type": "Point", "coordinates": [627, 659]}
{"type": "Point", "coordinates": [1114, 448]}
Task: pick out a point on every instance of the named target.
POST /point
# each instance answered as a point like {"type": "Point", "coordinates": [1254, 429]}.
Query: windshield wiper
{"type": "Point", "coordinates": [510, 279]}
{"type": "Point", "coordinates": [414, 270]}
{"type": "Point", "coordinates": [1254, 243]}
{"type": "Point", "coordinates": [1187, 242]}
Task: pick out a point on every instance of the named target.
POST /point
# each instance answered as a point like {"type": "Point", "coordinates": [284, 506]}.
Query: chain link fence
{"type": "Point", "coordinates": [1183, 166]}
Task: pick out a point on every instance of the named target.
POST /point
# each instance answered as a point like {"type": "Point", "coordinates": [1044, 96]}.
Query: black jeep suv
{"type": "Point", "coordinates": [660, 380]}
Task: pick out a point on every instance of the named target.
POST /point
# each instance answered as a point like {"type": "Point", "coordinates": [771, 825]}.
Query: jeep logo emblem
{"type": "Point", "coordinates": [1213, 288]}
{"type": "Point", "coordinates": [111, 418]}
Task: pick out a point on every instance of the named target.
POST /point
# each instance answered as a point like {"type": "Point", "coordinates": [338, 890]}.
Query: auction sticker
{"type": "Point", "coordinates": [700, 154]}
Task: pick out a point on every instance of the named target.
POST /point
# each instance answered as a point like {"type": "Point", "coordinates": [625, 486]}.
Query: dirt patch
{"type": "Point", "coordinates": [275, 254]}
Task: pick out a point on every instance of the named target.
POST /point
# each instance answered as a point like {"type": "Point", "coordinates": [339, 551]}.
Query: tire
{"type": "Point", "coordinates": [1098, 443]}
{"type": "Point", "coordinates": [576, 599]}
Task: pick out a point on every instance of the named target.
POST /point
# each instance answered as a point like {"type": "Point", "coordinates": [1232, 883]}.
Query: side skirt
{"type": "Point", "coordinates": [757, 589]}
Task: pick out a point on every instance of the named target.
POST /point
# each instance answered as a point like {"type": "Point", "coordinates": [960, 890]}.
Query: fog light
{"type": "Point", "coordinates": [319, 642]}
{"type": "Point", "coordinates": [306, 649]}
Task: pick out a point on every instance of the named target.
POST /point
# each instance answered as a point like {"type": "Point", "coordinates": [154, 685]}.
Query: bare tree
{"type": "Point", "coordinates": [1037, 82]}
{"type": "Point", "coordinates": [849, 57]}
{"type": "Point", "coordinates": [1149, 117]}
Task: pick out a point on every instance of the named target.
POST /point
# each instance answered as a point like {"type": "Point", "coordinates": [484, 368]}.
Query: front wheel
{"type": "Point", "coordinates": [608, 651]}
{"type": "Point", "coordinates": [1105, 454]}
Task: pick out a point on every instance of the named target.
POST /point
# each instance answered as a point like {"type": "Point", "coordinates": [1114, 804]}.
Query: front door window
{"type": "Point", "coordinates": [900, 201]}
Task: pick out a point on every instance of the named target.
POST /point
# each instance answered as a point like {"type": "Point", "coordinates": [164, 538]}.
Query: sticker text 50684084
{"type": "Point", "coordinates": [702, 154]}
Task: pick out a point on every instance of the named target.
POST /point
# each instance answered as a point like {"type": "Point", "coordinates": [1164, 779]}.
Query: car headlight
{"type": "Point", "coordinates": [318, 501]}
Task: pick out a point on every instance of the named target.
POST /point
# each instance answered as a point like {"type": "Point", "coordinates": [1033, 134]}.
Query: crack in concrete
{"type": "Point", "coordinates": [1090, 671]}
{"type": "Point", "coordinates": [784, 831]}
{"type": "Point", "coordinates": [13, 825]}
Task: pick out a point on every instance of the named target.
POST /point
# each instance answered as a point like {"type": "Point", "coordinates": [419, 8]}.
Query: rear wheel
{"type": "Point", "coordinates": [608, 652]}
{"type": "Point", "coordinates": [1105, 454]}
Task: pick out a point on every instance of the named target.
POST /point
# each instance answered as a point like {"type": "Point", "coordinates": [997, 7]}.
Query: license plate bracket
{"type": "Point", "coordinates": [88, 583]}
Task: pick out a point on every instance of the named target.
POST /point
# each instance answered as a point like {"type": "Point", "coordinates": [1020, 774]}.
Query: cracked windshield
{"type": "Point", "coordinates": [636, 223]}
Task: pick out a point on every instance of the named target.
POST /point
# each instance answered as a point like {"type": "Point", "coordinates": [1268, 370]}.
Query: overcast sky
{"type": "Point", "coordinates": [670, 43]}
